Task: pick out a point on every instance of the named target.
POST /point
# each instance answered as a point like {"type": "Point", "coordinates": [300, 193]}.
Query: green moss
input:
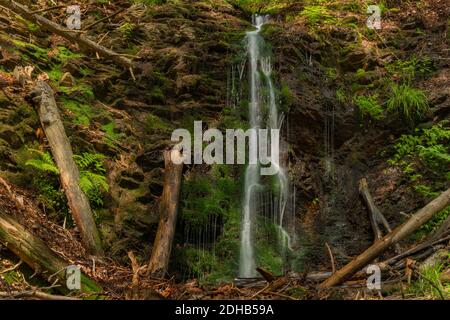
{"type": "Point", "coordinates": [270, 30]}
{"type": "Point", "coordinates": [269, 258]}
{"type": "Point", "coordinates": [127, 29]}
{"type": "Point", "coordinates": [153, 122]}
{"type": "Point", "coordinates": [65, 54]}
{"type": "Point", "coordinates": [316, 14]}
{"type": "Point", "coordinates": [214, 195]}
{"type": "Point", "coordinates": [262, 6]}
{"type": "Point", "coordinates": [81, 89]}
{"type": "Point", "coordinates": [81, 112]}
{"type": "Point", "coordinates": [286, 97]}
{"type": "Point", "coordinates": [157, 95]}
{"type": "Point", "coordinates": [31, 51]}
{"type": "Point", "coordinates": [111, 135]}
{"type": "Point", "coordinates": [150, 2]}
{"type": "Point", "coordinates": [55, 74]}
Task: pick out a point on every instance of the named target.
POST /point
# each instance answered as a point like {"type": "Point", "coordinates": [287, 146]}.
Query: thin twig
{"type": "Point", "coordinates": [34, 294]}
{"type": "Point", "coordinates": [48, 9]}
{"type": "Point", "coordinates": [333, 266]}
{"type": "Point", "coordinates": [103, 19]}
{"type": "Point", "coordinates": [260, 291]}
{"type": "Point", "coordinates": [12, 268]}
{"type": "Point", "coordinates": [281, 295]}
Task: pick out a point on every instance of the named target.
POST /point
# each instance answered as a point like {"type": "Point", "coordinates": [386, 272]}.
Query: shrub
{"type": "Point", "coordinates": [369, 107]}
{"type": "Point", "coordinates": [431, 146]}
{"type": "Point", "coordinates": [408, 103]}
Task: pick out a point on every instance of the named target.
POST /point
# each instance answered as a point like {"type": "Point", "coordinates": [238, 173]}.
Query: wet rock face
{"type": "Point", "coordinates": [11, 136]}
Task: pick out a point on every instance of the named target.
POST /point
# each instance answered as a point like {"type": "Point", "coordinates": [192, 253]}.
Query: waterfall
{"type": "Point", "coordinates": [262, 96]}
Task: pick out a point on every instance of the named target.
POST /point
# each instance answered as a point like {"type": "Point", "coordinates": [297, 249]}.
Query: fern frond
{"type": "Point", "coordinates": [44, 163]}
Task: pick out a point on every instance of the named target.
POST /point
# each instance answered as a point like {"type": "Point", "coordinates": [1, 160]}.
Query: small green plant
{"type": "Point", "coordinates": [433, 224]}
{"type": "Point", "coordinates": [157, 95]}
{"type": "Point", "coordinates": [341, 96]}
{"type": "Point", "coordinates": [369, 107]}
{"type": "Point", "coordinates": [411, 68]}
{"type": "Point", "coordinates": [43, 163]}
{"type": "Point", "coordinates": [431, 146]}
{"type": "Point", "coordinates": [331, 73]}
{"type": "Point", "coordinates": [360, 73]}
{"type": "Point", "coordinates": [423, 155]}
{"type": "Point", "coordinates": [46, 183]}
{"type": "Point", "coordinates": [92, 176]}
{"type": "Point", "coordinates": [110, 134]}
{"type": "Point", "coordinates": [408, 103]}
{"type": "Point", "coordinates": [287, 98]}
{"type": "Point", "coordinates": [127, 29]}
{"type": "Point", "coordinates": [429, 285]}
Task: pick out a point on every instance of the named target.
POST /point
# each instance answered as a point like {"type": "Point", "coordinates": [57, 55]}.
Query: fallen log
{"type": "Point", "coordinates": [74, 37]}
{"type": "Point", "coordinates": [61, 149]}
{"type": "Point", "coordinates": [413, 223]}
{"type": "Point", "coordinates": [37, 255]}
{"type": "Point", "coordinates": [162, 246]}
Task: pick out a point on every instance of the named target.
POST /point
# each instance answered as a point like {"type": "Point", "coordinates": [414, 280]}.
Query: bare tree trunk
{"type": "Point", "coordinates": [69, 174]}
{"type": "Point", "coordinates": [37, 255]}
{"type": "Point", "coordinates": [162, 246]}
{"type": "Point", "coordinates": [71, 35]}
{"type": "Point", "coordinates": [417, 220]}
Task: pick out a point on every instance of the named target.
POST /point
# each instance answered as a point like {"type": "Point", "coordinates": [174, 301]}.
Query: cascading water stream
{"type": "Point", "coordinates": [260, 65]}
